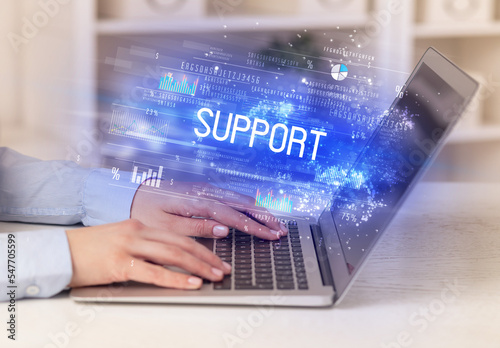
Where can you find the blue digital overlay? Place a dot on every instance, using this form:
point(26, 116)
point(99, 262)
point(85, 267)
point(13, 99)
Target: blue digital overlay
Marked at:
point(285, 113)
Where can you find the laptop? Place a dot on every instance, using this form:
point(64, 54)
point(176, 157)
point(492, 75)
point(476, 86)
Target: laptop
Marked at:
point(318, 261)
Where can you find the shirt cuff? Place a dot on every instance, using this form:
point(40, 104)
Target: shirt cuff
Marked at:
point(43, 263)
point(106, 200)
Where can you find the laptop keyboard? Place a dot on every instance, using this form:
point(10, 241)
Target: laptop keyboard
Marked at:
point(262, 264)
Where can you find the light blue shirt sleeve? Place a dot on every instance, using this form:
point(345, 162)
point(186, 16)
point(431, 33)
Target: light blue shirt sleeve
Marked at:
point(53, 192)
point(60, 192)
point(38, 263)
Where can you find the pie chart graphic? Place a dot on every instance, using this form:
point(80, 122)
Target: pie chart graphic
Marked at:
point(339, 72)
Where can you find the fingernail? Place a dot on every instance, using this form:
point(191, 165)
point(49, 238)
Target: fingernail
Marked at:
point(227, 266)
point(220, 231)
point(284, 228)
point(276, 233)
point(195, 281)
point(217, 272)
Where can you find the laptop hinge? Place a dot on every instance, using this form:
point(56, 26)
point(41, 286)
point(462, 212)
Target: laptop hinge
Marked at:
point(324, 265)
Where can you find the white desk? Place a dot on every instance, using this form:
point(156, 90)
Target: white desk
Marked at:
point(445, 233)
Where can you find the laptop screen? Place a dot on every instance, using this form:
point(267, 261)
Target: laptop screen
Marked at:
point(392, 159)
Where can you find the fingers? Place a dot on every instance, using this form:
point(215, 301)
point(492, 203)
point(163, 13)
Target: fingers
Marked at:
point(120, 251)
point(217, 218)
point(187, 253)
point(233, 218)
point(246, 204)
point(220, 208)
point(172, 255)
point(153, 274)
point(197, 227)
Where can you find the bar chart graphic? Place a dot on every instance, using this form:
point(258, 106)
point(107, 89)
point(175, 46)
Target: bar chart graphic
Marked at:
point(135, 126)
point(269, 202)
point(168, 83)
point(147, 176)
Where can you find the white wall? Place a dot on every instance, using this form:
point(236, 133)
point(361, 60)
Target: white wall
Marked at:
point(9, 67)
point(53, 65)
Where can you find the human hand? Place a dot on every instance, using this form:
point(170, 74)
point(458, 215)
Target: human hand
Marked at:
point(216, 210)
point(129, 250)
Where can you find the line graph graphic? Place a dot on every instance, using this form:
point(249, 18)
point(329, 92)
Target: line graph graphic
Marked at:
point(168, 83)
point(269, 202)
point(142, 127)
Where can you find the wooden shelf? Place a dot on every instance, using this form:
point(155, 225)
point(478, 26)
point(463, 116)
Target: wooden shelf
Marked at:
point(479, 135)
point(440, 30)
point(158, 26)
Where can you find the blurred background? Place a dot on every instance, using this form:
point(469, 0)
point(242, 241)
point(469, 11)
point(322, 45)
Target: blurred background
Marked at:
point(50, 51)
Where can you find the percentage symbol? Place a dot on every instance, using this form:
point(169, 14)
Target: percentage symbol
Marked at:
point(399, 91)
point(116, 174)
point(310, 64)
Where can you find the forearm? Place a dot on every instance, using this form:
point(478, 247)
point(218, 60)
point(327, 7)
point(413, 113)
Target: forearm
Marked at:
point(59, 192)
point(40, 191)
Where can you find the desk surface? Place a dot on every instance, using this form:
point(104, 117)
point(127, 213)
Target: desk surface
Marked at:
point(433, 281)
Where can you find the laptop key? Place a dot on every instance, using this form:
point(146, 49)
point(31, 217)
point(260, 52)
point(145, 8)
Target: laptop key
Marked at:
point(243, 263)
point(282, 257)
point(225, 284)
point(284, 277)
point(262, 265)
point(282, 252)
point(255, 287)
point(243, 281)
point(243, 252)
point(242, 260)
point(284, 274)
point(300, 274)
point(262, 256)
point(263, 275)
point(242, 276)
point(283, 262)
point(281, 268)
point(264, 281)
point(243, 271)
point(285, 286)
